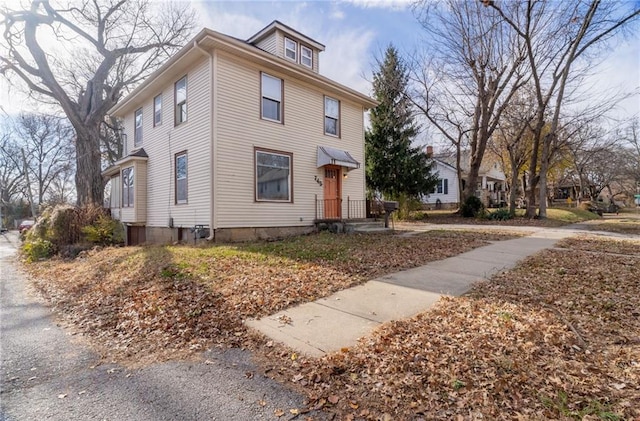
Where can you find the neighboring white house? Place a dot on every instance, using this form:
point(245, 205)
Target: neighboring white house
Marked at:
point(445, 195)
point(242, 138)
point(491, 188)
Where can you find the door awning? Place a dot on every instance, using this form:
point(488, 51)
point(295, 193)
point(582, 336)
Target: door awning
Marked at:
point(333, 156)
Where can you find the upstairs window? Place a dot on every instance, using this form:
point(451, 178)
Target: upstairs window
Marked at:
point(291, 49)
point(157, 110)
point(181, 101)
point(306, 56)
point(271, 98)
point(181, 177)
point(331, 116)
point(137, 131)
point(127, 187)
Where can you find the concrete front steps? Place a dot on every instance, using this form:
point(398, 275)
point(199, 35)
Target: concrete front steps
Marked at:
point(348, 226)
point(370, 225)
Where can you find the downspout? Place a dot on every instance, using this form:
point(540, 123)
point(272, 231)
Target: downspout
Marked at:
point(213, 142)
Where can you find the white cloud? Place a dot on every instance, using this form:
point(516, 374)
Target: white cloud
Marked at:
point(346, 58)
point(336, 13)
point(381, 4)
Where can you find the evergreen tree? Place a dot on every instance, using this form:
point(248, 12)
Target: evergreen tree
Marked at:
point(394, 168)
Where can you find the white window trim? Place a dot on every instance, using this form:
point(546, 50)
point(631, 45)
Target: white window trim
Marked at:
point(186, 178)
point(295, 49)
point(131, 188)
point(155, 111)
point(177, 104)
point(280, 101)
point(137, 130)
point(337, 134)
point(302, 49)
point(289, 180)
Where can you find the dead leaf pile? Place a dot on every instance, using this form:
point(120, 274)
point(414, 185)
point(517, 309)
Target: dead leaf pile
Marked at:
point(558, 337)
point(150, 303)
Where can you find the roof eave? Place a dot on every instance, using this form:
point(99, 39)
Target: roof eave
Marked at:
point(249, 50)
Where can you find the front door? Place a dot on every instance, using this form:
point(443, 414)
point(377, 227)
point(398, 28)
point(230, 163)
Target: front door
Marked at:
point(332, 193)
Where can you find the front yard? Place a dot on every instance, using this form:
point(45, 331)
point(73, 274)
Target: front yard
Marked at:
point(557, 338)
point(554, 338)
point(141, 304)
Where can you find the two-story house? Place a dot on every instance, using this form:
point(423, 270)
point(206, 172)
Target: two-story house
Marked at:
point(243, 138)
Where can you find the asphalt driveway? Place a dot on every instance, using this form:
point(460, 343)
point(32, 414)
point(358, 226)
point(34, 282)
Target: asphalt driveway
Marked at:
point(46, 372)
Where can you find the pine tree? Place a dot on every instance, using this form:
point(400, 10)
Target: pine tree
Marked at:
point(394, 167)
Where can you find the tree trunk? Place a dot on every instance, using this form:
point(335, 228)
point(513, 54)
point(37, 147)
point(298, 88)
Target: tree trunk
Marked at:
point(513, 191)
point(89, 182)
point(544, 167)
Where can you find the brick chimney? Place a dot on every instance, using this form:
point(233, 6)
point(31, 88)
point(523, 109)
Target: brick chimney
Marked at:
point(430, 150)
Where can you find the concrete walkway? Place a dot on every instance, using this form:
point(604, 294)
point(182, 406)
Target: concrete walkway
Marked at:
point(337, 321)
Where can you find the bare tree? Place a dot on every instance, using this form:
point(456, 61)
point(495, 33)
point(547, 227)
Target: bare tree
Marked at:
point(559, 38)
point(512, 141)
point(12, 180)
point(101, 50)
point(480, 60)
point(48, 144)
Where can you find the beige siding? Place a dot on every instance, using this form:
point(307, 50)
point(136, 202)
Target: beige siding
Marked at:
point(268, 44)
point(279, 38)
point(162, 143)
point(140, 191)
point(115, 198)
point(316, 60)
point(240, 130)
point(138, 212)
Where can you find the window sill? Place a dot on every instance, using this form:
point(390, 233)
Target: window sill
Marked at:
point(271, 120)
point(272, 201)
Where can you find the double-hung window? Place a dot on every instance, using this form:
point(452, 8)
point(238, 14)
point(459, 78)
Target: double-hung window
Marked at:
point(442, 187)
point(127, 187)
point(181, 101)
point(157, 110)
point(137, 130)
point(181, 177)
point(331, 116)
point(271, 98)
point(306, 56)
point(273, 176)
point(291, 49)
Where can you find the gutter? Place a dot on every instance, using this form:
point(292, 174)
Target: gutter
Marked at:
point(214, 167)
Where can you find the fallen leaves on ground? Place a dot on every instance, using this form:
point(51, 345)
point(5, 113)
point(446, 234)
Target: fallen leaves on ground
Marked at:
point(158, 302)
point(622, 224)
point(558, 337)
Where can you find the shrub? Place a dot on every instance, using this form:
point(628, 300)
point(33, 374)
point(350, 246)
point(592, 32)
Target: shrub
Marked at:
point(406, 206)
point(501, 214)
point(37, 249)
point(472, 207)
point(105, 231)
point(62, 226)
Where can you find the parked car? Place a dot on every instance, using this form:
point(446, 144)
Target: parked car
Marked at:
point(25, 225)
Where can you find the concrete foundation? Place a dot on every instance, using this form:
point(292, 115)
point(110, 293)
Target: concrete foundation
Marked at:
point(166, 235)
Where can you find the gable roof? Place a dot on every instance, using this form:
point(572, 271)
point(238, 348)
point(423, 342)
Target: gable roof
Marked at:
point(276, 24)
point(207, 39)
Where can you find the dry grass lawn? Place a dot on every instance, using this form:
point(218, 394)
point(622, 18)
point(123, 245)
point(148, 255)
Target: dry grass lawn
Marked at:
point(142, 304)
point(556, 338)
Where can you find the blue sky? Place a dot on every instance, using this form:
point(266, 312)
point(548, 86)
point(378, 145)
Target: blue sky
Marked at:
point(356, 31)
point(352, 31)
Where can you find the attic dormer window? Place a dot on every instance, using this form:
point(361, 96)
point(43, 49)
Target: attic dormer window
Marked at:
point(291, 49)
point(306, 56)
